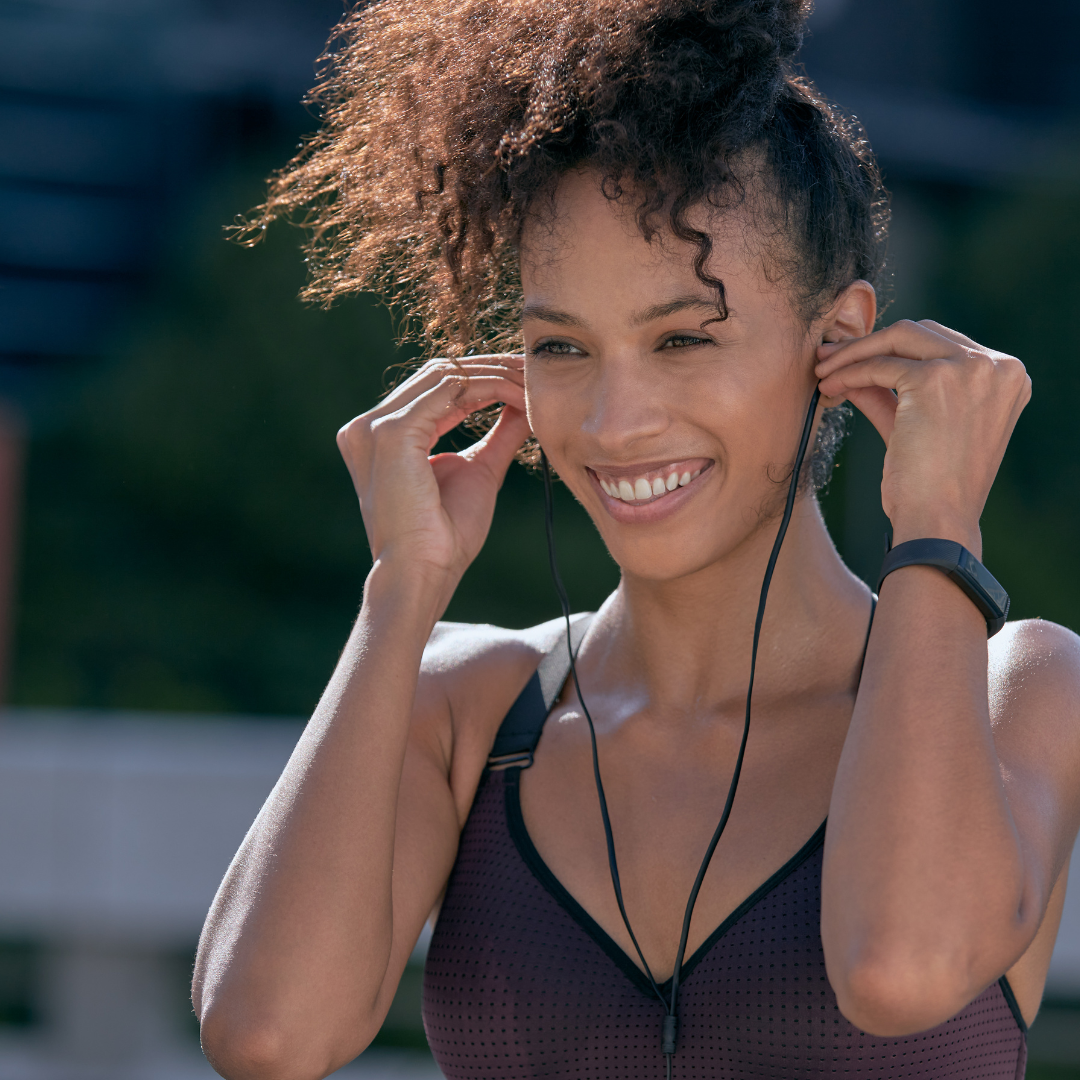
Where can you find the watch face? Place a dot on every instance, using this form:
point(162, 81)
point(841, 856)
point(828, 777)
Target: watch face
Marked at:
point(996, 597)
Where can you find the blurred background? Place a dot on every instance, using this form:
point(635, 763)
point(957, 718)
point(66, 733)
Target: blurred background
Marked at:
point(180, 550)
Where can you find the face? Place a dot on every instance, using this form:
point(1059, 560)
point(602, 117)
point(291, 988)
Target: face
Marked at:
point(670, 426)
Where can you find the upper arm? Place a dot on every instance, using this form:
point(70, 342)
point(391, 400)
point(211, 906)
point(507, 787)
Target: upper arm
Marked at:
point(469, 677)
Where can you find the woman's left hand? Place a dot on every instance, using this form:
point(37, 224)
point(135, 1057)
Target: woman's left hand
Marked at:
point(946, 428)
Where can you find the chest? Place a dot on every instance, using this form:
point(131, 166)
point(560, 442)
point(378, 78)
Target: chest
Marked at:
point(665, 792)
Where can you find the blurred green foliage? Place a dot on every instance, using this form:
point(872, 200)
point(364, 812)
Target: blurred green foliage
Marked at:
point(20, 968)
point(1013, 276)
point(191, 537)
point(1038, 1071)
point(192, 541)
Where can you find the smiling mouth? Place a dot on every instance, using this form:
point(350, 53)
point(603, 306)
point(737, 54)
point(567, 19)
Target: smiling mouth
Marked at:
point(651, 484)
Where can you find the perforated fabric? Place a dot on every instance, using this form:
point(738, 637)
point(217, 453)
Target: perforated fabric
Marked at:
point(520, 982)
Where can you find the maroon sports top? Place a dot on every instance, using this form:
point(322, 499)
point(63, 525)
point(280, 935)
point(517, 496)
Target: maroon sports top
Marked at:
point(522, 983)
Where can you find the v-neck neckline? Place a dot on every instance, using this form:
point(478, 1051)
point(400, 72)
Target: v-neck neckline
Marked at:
point(542, 872)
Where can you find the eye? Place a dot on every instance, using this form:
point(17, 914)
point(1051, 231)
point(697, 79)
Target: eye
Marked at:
point(684, 341)
point(555, 348)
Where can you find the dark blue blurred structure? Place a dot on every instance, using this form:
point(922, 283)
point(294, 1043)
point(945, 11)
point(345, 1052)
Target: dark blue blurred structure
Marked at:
point(110, 111)
point(968, 91)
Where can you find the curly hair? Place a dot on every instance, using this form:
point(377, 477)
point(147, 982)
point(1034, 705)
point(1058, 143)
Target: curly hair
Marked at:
point(444, 126)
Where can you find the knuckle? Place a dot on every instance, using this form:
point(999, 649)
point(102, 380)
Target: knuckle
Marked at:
point(448, 374)
point(970, 364)
point(1016, 376)
point(351, 433)
point(938, 370)
point(446, 368)
point(1013, 367)
point(384, 427)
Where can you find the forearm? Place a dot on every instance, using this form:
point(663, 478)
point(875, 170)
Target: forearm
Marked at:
point(924, 890)
point(300, 934)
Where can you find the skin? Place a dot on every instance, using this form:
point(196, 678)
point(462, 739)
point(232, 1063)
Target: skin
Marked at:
point(950, 773)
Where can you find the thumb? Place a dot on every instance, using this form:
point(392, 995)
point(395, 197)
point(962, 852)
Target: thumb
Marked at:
point(496, 449)
point(878, 405)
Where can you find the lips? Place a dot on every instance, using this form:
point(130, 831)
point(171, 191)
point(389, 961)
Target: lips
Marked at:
point(647, 484)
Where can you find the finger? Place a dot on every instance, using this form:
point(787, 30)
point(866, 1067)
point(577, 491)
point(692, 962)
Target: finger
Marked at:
point(444, 406)
point(878, 405)
point(951, 335)
point(447, 374)
point(515, 361)
point(497, 448)
point(476, 365)
point(904, 339)
point(435, 371)
point(883, 371)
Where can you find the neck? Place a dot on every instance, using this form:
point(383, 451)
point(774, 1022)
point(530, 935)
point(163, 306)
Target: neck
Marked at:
point(686, 643)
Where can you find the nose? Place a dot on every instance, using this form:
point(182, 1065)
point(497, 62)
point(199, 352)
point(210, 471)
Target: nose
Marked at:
point(626, 409)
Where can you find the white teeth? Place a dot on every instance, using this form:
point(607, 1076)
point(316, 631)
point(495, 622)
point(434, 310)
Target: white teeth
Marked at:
point(643, 489)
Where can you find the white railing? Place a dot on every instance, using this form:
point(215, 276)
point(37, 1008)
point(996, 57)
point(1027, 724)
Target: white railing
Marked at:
point(115, 830)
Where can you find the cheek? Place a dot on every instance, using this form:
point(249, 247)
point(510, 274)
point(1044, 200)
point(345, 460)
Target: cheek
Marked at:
point(531, 399)
point(552, 413)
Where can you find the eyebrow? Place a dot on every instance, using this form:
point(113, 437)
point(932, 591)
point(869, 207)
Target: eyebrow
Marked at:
point(672, 307)
point(650, 314)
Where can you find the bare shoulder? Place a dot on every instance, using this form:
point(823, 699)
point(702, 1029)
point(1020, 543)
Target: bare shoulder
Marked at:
point(1034, 670)
point(470, 675)
point(469, 662)
point(1034, 684)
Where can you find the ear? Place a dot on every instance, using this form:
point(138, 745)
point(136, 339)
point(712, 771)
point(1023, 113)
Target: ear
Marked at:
point(852, 314)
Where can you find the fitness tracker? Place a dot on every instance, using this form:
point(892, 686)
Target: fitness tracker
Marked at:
point(981, 586)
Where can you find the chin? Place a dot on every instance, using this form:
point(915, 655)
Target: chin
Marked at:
point(672, 558)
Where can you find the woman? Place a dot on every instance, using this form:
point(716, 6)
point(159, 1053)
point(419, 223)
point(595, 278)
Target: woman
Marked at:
point(687, 237)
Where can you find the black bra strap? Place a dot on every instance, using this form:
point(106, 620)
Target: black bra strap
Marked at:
point(520, 730)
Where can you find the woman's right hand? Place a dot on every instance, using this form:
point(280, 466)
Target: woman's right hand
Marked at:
point(426, 512)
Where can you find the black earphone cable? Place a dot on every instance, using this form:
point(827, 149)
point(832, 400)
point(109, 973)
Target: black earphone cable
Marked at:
point(669, 1031)
point(564, 602)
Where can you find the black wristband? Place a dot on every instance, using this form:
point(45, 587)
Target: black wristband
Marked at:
point(978, 583)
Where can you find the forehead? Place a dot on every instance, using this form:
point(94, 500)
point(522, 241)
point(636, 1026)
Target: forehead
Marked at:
point(580, 241)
